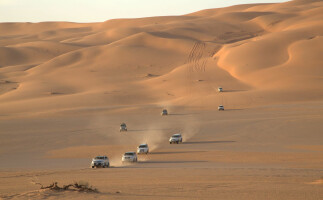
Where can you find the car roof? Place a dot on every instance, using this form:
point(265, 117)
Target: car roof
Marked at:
point(143, 144)
point(178, 134)
point(130, 152)
point(100, 156)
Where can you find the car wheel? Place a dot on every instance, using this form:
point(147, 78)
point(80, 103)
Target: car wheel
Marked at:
point(170, 142)
point(92, 166)
point(103, 166)
point(177, 142)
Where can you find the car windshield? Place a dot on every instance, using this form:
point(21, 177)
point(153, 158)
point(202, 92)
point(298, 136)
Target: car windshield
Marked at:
point(99, 157)
point(129, 154)
point(143, 146)
point(176, 136)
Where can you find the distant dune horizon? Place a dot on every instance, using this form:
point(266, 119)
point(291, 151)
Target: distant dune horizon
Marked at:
point(87, 11)
point(264, 52)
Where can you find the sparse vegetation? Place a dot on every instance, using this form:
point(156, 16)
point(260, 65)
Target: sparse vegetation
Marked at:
point(80, 186)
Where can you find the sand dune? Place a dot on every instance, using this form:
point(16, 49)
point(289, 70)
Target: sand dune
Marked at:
point(32, 52)
point(246, 41)
point(65, 88)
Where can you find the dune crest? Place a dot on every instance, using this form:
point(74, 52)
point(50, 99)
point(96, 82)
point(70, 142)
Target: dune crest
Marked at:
point(255, 50)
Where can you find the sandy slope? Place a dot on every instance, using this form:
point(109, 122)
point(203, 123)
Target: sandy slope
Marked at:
point(248, 48)
point(65, 87)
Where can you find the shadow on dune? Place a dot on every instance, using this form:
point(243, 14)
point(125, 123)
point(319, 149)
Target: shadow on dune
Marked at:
point(174, 152)
point(208, 142)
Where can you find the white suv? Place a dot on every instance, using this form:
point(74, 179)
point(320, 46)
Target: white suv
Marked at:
point(176, 138)
point(100, 161)
point(220, 107)
point(143, 148)
point(220, 89)
point(129, 157)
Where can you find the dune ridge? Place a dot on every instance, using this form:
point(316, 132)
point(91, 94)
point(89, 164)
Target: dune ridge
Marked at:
point(255, 50)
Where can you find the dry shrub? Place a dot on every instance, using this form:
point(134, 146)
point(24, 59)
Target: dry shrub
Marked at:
point(80, 186)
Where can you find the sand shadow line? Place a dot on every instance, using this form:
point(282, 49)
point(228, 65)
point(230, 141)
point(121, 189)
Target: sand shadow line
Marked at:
point(182, 114)
point(141, 130)
point(170, 162)
point(208, 142)
point(175, 152)
point(234, 90)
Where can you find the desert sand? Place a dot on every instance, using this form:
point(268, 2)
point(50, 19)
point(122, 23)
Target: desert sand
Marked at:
point(66, 87)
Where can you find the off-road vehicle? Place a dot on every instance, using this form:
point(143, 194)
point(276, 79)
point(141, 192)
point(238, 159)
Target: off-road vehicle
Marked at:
point(176, 138)
point(129, 157)
point(123, 127)
point(100, 161)
point(220, 107)
point(143, 148)
point(164, 112)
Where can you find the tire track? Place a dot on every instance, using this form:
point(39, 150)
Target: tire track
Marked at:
point(196, 63)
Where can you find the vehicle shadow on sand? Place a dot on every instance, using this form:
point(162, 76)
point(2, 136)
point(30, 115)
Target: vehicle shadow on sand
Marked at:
point(175, 152)
point(233, 109)
point(143, 130)
point(140, 164)
point(209, 142)
point(234, 90)
point(170, 162)
point(182, 114)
